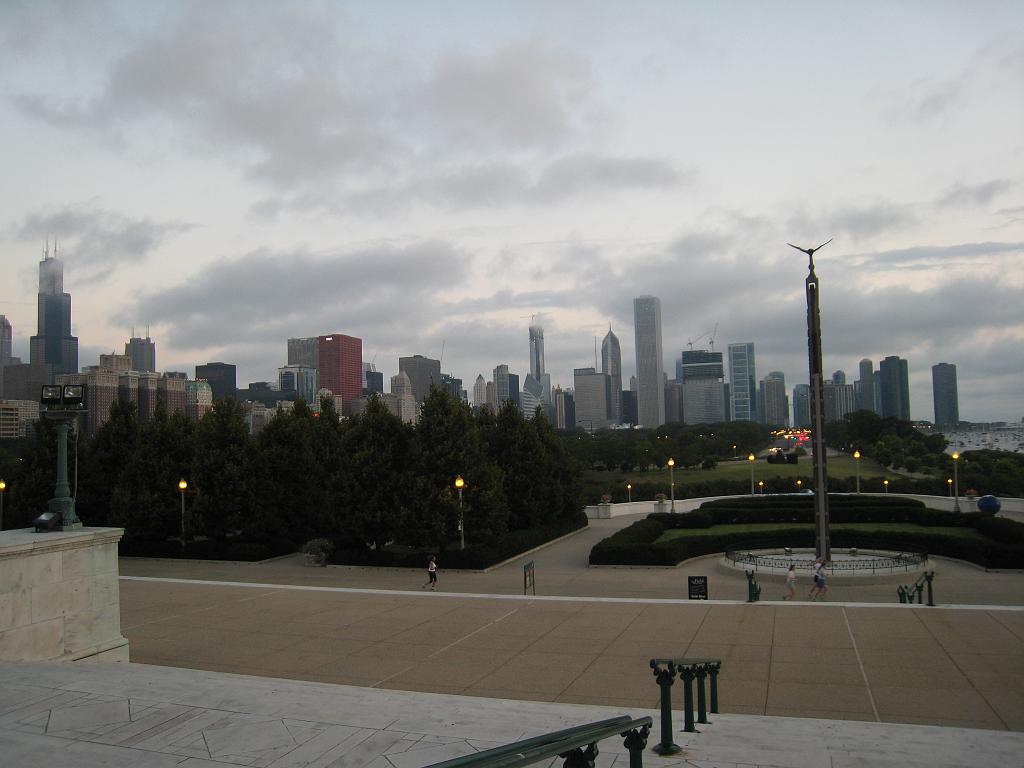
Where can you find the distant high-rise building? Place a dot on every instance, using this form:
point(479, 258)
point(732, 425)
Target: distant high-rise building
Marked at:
point(895, 388)
point(947, 403)
point(492, 396)
point(424, 373)
point(727, 399)
point(532, 396)
point(650, 363)
point(222, 378)
point(142, 353)
point(341, 368)
point(840, 399)
point(839, 377)
point(17, 417)
point(702, 375)
point(480, 391)
point(865, 386)
point(558, 398)
point(300, 380)
point(171, 392)
point(611, 364)
point(452, 386)
point(6, 342)
point(304, 351)
point(591, 393)
point(743, 381)
point(536, 351)
point(876, 380)
point(24, 381)
point(629, 414)
point(53, 344)
point(374, 382)
point(802, 406)
point(401, 390)
point(102, 390)
point(199, 399)
point(776, 403)
point(673, 401)
point(506, 386)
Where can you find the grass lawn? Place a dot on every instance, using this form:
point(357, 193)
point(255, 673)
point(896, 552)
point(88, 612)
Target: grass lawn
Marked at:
point(715, 530)
point(839, 466)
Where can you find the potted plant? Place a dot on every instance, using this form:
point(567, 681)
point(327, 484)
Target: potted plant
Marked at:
point(316, 551)
point(606, 498)
point(659, 499)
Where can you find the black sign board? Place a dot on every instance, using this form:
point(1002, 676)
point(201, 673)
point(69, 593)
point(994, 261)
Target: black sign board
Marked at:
point(528, 578)
point(698, 587)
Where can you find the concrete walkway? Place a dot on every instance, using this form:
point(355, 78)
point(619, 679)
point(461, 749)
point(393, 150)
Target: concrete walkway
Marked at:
point(87, 716)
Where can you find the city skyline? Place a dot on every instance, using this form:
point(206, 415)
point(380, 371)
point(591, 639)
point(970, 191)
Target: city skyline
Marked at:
point(493, 164)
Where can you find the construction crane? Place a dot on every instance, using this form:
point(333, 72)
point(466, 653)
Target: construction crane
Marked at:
point(711, 341)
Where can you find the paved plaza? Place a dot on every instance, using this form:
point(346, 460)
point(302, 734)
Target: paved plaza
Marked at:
point(91, 715)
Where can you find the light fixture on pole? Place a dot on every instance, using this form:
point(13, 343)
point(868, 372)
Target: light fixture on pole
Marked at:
point(751, 458)
point(734, 450)
point(885, 483)
point(629, 492)
point(956, 482)
point(760, 487)
point(3, 487)
point(459, 485)
point(672, 483)
point(856, 460)
point(182, 485)
point(798, 484)
point(949, 487)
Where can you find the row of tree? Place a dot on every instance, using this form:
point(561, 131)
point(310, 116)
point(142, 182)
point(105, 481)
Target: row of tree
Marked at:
point(363, 481)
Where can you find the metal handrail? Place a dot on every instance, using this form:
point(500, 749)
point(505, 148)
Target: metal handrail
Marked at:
point(556, 744)
point(902, 560)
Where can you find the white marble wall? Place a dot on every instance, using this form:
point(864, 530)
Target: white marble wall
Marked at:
point(59, 595)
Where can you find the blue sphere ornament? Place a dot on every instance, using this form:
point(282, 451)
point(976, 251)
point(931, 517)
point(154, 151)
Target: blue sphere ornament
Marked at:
point(989, 505)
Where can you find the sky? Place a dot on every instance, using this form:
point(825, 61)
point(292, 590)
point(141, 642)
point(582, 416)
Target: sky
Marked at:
point(428, 176)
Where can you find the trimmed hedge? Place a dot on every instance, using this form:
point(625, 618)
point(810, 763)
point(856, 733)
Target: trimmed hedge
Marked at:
point(474, 557)
point(204, 549)
point(1001, 544)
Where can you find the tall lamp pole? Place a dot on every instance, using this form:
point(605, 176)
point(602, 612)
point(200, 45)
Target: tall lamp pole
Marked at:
point(672, 483)
point(751, 458)
point(182, 485)
point(856, 460)
point(459, 485)
point(956, 482)
point(885, 484)
point(822, 543)
point(3, 487)
point(629, 492)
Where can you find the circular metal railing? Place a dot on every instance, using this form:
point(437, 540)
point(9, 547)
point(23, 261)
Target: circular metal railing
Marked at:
point(844, 561)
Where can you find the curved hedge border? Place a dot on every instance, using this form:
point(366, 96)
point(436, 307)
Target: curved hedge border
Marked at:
point(1003, 546)
point(474, 557)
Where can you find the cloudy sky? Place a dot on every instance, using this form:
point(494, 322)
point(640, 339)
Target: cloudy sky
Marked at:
point(431, 174)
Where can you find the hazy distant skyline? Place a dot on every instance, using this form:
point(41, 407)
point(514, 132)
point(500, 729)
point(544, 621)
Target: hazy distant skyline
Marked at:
point(419, 174)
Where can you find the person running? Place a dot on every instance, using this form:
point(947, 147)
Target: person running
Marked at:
point(822, 586)
point(431, 574)
point(790, 583)
point(816, 588)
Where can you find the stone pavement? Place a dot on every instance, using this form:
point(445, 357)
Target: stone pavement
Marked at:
point(85, 715)
point(908, 664)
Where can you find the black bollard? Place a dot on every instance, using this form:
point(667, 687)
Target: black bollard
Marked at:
point(702, 707)
point(686, 675)
point(635, 741)
point(665, 677)
point(713, 674)
point(929, 575)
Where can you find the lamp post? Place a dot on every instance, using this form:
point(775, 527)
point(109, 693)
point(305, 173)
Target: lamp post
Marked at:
point(459, 485)
point(956, 482)
point(856, 461)
point(672, 482)
point(885, 483)
point(798, 484)
point(182, 485)
point(751, 459)
point(629, 492)
point(734, 450)
point(760, 487)
point(949, 486)
point(3, 487)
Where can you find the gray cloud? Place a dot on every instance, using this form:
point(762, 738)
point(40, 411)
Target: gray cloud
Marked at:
point(961, 194)
point(99, 239)
point(857, 221)
point(923, 256)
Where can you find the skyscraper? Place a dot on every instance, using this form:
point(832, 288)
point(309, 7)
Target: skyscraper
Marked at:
point(743, 378)
point(480, 391)
point(341, 368)
point(947, 404)
point(221, 377)
point(423, 372)
point(895, 388)
point(536, 351)
point(53, 344)
point(611, 364)
point(840, 399)
point(142, 353)
point(776, 405)
point(650, 364)
point(839, 377)
point(802, 406)
point(702, 373)
point(304, 351)
point(532, 396)
point(865, 386)
point(591, 394)
point(6, 341)
point(299, 379)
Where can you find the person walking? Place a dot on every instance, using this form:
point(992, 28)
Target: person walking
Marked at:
point(816, 587)
point(431, 574)
point(790, 583)
point(822, 586)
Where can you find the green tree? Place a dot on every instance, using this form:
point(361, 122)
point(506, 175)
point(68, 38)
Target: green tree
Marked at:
point(102, 461)
point(31, 487)
point(221, 471)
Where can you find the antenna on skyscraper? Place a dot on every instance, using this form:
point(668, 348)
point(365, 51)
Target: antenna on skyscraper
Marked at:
point(441, 360)
point(595, 353)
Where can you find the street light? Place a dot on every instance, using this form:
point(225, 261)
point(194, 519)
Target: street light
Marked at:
point(459, 485)
point(734, 450)
point(751, 459)
point(949, 486)
point(672, 481)
point(856, 459)
point(3, 487)
point(629, 492)
point(798, 484)
point(182, 485)
point(956, 482)
point(760, 487)
point(886, 484)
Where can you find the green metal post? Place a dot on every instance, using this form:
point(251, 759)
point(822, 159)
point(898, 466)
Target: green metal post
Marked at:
point(928, 576)
point(702, 705)
point(686, 675)
point(713, 674)
point(62, 503)
point(635, 741)
point(752, 590)
point(665, 677)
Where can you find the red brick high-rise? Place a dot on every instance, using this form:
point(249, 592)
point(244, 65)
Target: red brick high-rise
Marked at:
point(341, 368)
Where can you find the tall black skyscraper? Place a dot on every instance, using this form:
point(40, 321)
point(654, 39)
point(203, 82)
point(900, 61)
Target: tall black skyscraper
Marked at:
point(895, 390)
point(947, 404)
point(142, 352)
point(53, 344)
point(221, 378)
